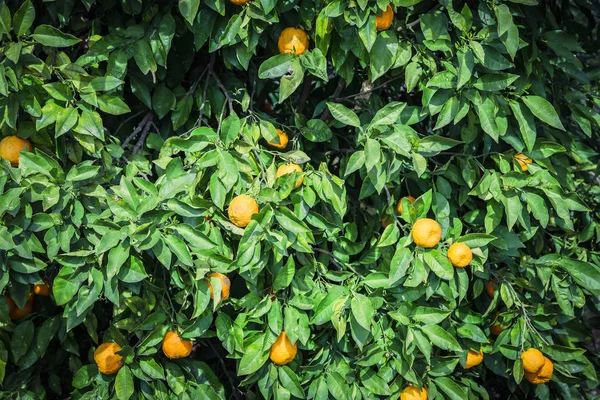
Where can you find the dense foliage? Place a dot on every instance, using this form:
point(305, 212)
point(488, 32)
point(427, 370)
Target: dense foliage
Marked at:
point(147, 117)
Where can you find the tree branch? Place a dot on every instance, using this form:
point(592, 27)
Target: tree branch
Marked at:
point(144, 125)
point(234, 388)
point(305, 93)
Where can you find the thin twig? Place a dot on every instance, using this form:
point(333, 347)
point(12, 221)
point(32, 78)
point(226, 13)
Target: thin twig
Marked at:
point(137, 114)
point(140, 127)
point(173, 319)
point(418, 20)
point(389, 199)
point(234, 388)
point(209, 68)
point(371, 90)
point(305, 93)
point(335, 151)
point(143, 136)
point(224, 90)
point(334, 260)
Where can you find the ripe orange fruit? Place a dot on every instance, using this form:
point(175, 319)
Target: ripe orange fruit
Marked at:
point(523, 160)
point(384, 21)
point(11, 146)
point(460, 255)
point(473, 358)
point(410, 198)
point(42, 289)
point(490, 289)
point(385, 222)
point(241, 210)
point(283, 351)
point(15, 312)
point(283, 140)
point(543, 375)
point(225, 285)
point(426, 233)
point(413, 393)
point(107, 359)
point(239, 2)
point(292, 40)
point(175, 347)
point(496, 329)
point(288, 169)
point(533, 360)
point(267, 107)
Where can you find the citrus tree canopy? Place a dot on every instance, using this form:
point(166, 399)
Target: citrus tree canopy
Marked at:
point(311, 199)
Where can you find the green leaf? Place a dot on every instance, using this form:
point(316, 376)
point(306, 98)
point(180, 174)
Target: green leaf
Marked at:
point(290, 381)
point(429, 315)
point(285, 275)
point(141, 91)
point(507, 30)
point(419, 164)
point(368, 32)
point(412, 75)
point(84, 376)
point(276, 66)
point(441, 338)
point(372, 153)
point(135, 273)
point(542, 109)
point(189, 9)
point(586, 275)
point(317, 131)
point(175, 378)
point(5, 20)
point(439, 264)
point(112, 105)
point(50, 36)
point(343, 114)
point(290, 82)
point(64, 286)
point(451, 388)
point(163, 100)
point(363, 311)
point(22, 338)
point(24, 18)
point(105, 83)
point(255, 355)
point(90, 123)
point(65, 120)
point(489, 57)
point(472, 332)
point(182, 111)
point(431, 145)
point(526, 123)
point(387, 115)
point(179, 249)
point(399, 264)
point(487, 118)
point(231, 30)
point(447, 113)
point(390, 235)
point(124, 383)
point(466, 63)
point(476, 239)
point(355, 162)
point(153, 369)
point(495, 82)
point(143, 56)
point(383, 54)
